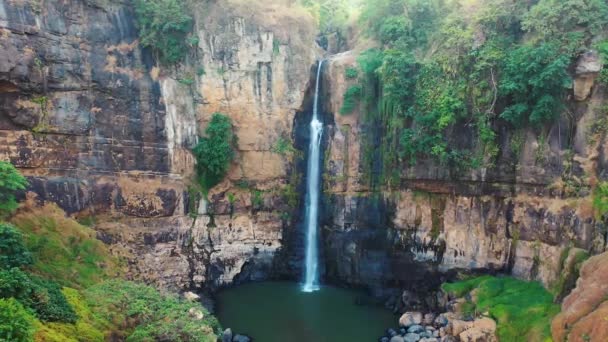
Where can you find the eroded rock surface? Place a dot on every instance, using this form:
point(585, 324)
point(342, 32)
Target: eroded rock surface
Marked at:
point(98, 127)
point(584, 310)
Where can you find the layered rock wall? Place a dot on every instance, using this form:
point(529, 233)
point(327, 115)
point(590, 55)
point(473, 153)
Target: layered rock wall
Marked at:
point(521, 217)
point(98, 127)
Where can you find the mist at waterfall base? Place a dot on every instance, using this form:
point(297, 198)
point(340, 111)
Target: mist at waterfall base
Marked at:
point(282, 312)
point(307, 312)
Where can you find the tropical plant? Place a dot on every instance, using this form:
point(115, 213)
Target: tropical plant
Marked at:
point(215, 151)
point(11, 181)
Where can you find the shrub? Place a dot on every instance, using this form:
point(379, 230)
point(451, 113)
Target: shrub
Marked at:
point(11, 181)
point(352, 97)
point(351, 73)
point(147, 315)
point(16, 323)
point(600, 200)
point(63, 250)
point(13, 252)
point(44, 297)
point(535, 79)
point(215, 151)
point(163, 26)
point(523, 310)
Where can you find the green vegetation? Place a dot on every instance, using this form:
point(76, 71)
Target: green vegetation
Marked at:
point(522, 310)
point(163, 27)
point(13, 252)
point(148, 315)
point(15, 321)
point(11, 181)
point(44, 297)
point(284, 147)
point(351, 73)
point(600, 200)
point(351, 99)
point(63, 250)
point(44, 250)
point(215, 151)
point(448, 68)
point(331, 15)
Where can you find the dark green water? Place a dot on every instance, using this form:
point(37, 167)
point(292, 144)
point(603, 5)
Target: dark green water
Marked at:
point(280, 312)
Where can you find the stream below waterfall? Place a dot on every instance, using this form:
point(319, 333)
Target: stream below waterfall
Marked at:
point(282, 312)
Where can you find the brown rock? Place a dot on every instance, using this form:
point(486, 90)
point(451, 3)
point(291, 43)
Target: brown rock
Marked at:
point(584, 310)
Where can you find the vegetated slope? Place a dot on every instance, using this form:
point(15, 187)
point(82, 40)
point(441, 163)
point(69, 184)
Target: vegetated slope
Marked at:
point(67, 287)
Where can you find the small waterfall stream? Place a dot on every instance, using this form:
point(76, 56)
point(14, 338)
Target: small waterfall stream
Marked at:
point(311, 278)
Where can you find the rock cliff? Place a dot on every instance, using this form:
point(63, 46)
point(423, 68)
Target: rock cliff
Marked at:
point(98, 127)
point(521, 217)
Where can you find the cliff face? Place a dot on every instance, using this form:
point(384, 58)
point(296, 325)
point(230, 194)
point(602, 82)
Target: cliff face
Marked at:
point(100, 129)
point(520, 216)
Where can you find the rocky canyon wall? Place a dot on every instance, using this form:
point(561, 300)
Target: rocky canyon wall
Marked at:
point(523, 216)
point(99, 128)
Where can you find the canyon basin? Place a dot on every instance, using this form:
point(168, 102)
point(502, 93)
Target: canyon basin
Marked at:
point(280, 311)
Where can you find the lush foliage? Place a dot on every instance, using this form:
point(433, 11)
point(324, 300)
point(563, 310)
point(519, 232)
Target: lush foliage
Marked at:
point(13, 252)
point(11, 181)
point(215, 151)
point(450, 69)
point(16, 323)
point(351, 99)
point(149, 315)
point(600, 200)
point(64, 250)
point(163, 26)
point(44, 297)
point(523, 310)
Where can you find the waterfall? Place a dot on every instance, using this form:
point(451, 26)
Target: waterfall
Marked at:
point(311, 280)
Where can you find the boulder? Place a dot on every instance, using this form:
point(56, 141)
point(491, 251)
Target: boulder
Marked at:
point(191, 296)
point(397, 338)
point(241, 338)
point(484, 329)
point(428, 319)
point(416, 329)
point(587, 68)
point(441, 321)
point(411, 337)
point(196, 314)
point(227, 335)
point(584, 310)
point(410, 318)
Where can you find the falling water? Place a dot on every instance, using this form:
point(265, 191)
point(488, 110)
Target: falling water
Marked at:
point(311, 281)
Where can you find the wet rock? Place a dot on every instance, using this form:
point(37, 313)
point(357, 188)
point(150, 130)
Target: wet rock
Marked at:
point(384, 339)
point(416, 328)
point(429, 339)
point(411, 337)
point(410, 318)
point(441, 321)
point(391, 332)
point(241, 338)
point(428, 319)
point(227, 335)
point(397, 338)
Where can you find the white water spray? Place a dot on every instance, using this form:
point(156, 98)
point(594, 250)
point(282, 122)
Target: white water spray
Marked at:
point(311, 280)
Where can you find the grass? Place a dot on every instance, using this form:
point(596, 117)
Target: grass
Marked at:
point(64, 250)
point(523, 310)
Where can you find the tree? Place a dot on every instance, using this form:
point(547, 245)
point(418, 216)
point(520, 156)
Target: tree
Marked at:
point(11, 181)
point(163, 26)
point(13, 252)
point(15, 321)
point(215, 151)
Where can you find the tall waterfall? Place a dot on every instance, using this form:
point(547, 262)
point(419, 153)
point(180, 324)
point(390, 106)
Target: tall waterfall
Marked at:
point(311, 280)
